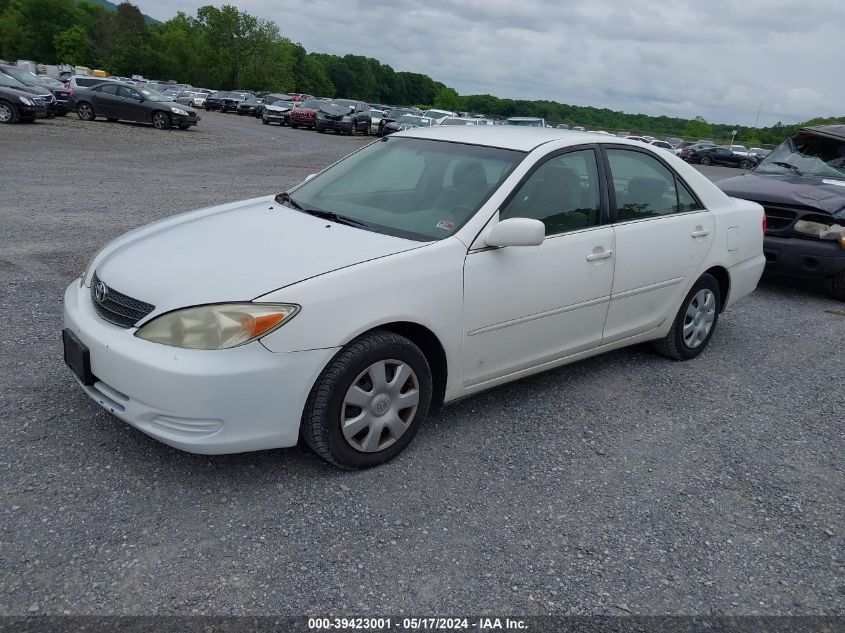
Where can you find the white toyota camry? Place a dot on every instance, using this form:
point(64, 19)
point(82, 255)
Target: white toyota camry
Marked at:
point(426, 266)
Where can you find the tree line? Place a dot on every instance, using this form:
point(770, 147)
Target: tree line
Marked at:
point(225, 48)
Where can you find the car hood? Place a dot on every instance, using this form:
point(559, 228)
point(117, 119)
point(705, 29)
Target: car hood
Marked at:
point(335, 110)
point(817, 192)
point(273, 108)
point(235, 252)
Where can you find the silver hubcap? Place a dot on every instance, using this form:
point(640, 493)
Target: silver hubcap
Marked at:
point(698, 320)
point(5, 113)
point(380, 405)
point(85, 111)
point(159, 120)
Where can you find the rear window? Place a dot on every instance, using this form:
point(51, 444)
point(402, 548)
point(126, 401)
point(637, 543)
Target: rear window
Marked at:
point(88, 81)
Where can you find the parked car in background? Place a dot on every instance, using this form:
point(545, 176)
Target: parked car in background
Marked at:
point(18, 105)
point(562, 126)
point(688, 148)
point(527, 121)
point(277, 112)
point(801, 186)
point(343, 116)
point(663, 145)
point(375, 118)
point(759, 152)
point(120, 101)
point(393, 114)
point(84, 81)
point(739, 150)
point(251, 106)
point(263, 347)
point(271, 97)
point(640, 139)
point(232, 100)
point(193, 99)
point(437, 115)
point(61, 94)
point(305, 114)
point(720, 156)
point(31, 83)
point(41, 97)
point(214, 101)
point(407, 122)
point(454, 120)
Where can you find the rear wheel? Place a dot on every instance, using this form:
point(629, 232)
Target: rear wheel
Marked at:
point(695, 322)
point(265, 121)
point(85, 111)
point(293, 125)
point(746, 164)
point(705, 160)
point(839, 286)
point(161, 120)
point(369, 402)
point(8, 112)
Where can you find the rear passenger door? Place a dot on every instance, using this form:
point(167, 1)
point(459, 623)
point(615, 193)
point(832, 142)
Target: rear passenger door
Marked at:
point(105, 100)
point(662, 234)
point(132, 105)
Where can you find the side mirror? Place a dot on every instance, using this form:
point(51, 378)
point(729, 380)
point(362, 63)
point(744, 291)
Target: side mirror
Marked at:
point(516, 232)
point(309, 177)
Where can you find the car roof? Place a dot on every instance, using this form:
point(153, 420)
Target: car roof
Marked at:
point(523, 139)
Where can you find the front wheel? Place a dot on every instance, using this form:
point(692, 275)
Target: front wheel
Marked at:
point(705, 160)
point(695, 322)
point(161, 121)
point(8, 112)
point(85, 111)
point(746, 164)
point(369, 402)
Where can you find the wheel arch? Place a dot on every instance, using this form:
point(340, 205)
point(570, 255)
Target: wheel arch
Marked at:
point(720, 273)
point(432, 349)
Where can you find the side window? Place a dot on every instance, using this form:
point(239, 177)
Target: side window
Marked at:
point(563, 193)
point(686, 201)
point(644, 187)
point(128, 93)
point(107, 89)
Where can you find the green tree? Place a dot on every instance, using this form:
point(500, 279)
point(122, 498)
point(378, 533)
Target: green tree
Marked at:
point(71, 45)
point(447, 99)
point(698, 128)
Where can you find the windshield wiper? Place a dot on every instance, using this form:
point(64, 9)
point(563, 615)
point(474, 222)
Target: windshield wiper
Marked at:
point(788, 166)
point(284, 198)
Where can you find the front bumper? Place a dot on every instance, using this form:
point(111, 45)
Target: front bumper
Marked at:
point(27, 112)
point(190, 120)
point(798, 257)
point(332, 124)
point(208, 402)
point(274, 117)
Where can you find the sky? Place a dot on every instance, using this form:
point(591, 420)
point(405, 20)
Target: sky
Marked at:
point(719, 59)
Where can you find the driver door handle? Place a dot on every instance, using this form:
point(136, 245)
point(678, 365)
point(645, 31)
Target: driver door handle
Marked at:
point(700, 233)
point(601, 255)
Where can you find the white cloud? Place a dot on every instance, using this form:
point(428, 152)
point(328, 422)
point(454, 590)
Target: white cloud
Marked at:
point(719, 59)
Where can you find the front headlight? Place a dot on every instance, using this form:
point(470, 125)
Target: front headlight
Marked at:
point(26, 101)
point(179, 111)
point(217, 326)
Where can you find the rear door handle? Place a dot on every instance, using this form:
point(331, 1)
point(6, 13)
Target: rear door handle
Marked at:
point(700, 233)
point(601, 255)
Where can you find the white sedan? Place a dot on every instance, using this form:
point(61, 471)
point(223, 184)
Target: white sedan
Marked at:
point(427, 266)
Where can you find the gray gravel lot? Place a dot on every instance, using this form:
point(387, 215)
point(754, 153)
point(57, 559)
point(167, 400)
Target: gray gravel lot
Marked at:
point(623, 483)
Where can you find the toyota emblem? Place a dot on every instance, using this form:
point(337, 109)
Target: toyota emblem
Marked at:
point(100, 291)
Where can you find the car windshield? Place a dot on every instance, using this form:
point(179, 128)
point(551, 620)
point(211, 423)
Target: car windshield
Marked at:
point(220, 95)
point(23, 76)
point(407, 187)
point(525, 122)
point(282, 104)
point(152, 95)
point(455, 121)
point(395, 114)
point(431, 114)
point(49, 81)
point(311, 103)
point(10, 82)
point(808, 155)
point(738, 148)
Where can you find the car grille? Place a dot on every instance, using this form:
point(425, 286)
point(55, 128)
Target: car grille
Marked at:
point(781, 220)
point(43, 99)
point(117, 307)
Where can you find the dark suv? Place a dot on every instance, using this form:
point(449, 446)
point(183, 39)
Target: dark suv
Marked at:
point(801, 186)
point(344, 116)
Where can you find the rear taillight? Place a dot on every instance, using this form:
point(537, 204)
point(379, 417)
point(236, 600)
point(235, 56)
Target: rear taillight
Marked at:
point(764, 224)
point(72, 92)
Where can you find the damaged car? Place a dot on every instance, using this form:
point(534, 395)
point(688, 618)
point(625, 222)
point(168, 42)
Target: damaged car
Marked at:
point(801, 186)
point(344, 116)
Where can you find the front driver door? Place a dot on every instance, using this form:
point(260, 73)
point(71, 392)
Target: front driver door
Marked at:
point(132, 105)
point(106, 100)
point(529, 305)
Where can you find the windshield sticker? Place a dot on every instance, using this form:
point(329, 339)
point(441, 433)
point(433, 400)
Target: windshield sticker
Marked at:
point(446, 225)
point(839, 183)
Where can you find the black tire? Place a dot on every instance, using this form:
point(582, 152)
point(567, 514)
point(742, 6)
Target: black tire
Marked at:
point(705, 160)
point(673, 344)
point(321, 419)
point(746, 164)
point(839, 286)
point(265, 121)
point(294, 126)
point(85, 111)
point(8, 112)
point(161, 120)
point(352, 126)
point(321, 130)
point(111, 120)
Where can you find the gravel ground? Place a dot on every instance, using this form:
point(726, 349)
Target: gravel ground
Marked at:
point(625, 483)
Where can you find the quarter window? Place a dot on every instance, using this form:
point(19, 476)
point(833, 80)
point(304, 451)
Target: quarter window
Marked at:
point(645, 188)
point(563, 193)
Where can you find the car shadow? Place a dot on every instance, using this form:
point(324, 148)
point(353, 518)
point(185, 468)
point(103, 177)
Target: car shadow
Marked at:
point(815, 288)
